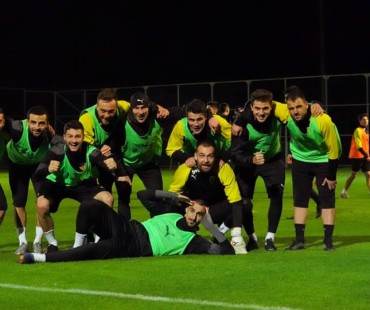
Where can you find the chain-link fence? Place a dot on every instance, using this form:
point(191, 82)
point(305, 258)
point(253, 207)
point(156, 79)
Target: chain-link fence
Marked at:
point(342, 96)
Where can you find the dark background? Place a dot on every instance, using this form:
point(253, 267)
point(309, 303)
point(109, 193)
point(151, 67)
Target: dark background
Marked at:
point(95, 44)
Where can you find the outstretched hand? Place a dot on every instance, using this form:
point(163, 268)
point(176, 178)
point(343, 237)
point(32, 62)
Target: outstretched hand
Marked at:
point(181, 200)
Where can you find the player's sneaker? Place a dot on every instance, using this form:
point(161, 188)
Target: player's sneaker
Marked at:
point(269, 245)
point(26, 258)
point(296, 245)
point(52, 248)
point(22, 249)
point(344, 195)
point(239, 245)
point(252, 245)
point(37, 248)
point(328, 246)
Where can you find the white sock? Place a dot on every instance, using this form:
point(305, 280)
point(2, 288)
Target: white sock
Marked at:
point(253, 236)
point(49, 235)
point(97, 238)
point(344, 191)
point(40, 258)
point(270, 235)
point(21, 231)
point(39, 234)
point(236, 232)
point(79, 239)
point(223, 228)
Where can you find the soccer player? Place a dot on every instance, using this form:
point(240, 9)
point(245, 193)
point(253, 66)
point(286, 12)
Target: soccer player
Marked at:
point(28, 145)
point(213, 181)
point(165, 234)
point(315, 146)
point(193, 128)
point(143, 144)
point(104, 128)
point(257, 152)
point(359, 153)
point(70, 170)
point(104, 125)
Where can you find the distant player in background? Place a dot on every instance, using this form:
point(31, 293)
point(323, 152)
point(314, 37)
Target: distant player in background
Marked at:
point(359, 153)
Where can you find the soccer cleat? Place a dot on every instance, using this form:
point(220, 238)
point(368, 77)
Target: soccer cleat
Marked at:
point(269, 245)
point(26, 258)
point(52, 248)
point(37, 248)
point(328, 246)
point(239, 245)
point(344, 195)
point(22, 249)
point(290, 217)
point(296, 245)
point(252, 245)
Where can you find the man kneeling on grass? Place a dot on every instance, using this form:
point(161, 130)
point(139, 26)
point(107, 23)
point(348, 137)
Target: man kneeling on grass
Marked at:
point(169, 233)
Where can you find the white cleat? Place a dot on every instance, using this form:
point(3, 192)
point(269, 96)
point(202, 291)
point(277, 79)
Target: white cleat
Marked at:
point(239, 245)
point(344, 195)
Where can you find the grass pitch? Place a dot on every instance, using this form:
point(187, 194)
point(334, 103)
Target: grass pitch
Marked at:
point(307, 279)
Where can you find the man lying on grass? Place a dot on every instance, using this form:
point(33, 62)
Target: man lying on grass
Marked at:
point(169, 233)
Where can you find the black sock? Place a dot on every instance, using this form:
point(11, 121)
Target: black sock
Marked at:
point(299, 232)
point(328, 233)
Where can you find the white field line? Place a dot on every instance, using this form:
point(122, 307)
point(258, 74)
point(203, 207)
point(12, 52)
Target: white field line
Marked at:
point(143, 297)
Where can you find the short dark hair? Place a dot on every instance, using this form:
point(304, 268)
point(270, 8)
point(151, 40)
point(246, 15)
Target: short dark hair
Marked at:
point(290, 89)
point(294, 93)
point(73, 124)
point(107, 94)
point(261, 95)
point(201, 202)
point(37, 110)
point(1, 110)
point(206, 143)
point(196, 106)
point(361, 116)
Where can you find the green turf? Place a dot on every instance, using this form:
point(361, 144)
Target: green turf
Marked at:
point(309, 279)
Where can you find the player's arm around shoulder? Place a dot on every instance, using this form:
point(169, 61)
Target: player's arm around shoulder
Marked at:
point(123, 105)
point(281, 111)
point(179, 179)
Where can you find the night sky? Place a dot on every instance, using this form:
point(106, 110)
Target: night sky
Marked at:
point(95, 44)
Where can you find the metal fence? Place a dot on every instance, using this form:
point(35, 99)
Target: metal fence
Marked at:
point(343, 97)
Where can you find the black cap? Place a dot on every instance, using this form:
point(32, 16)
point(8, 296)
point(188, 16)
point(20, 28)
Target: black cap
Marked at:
point(139, 99)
